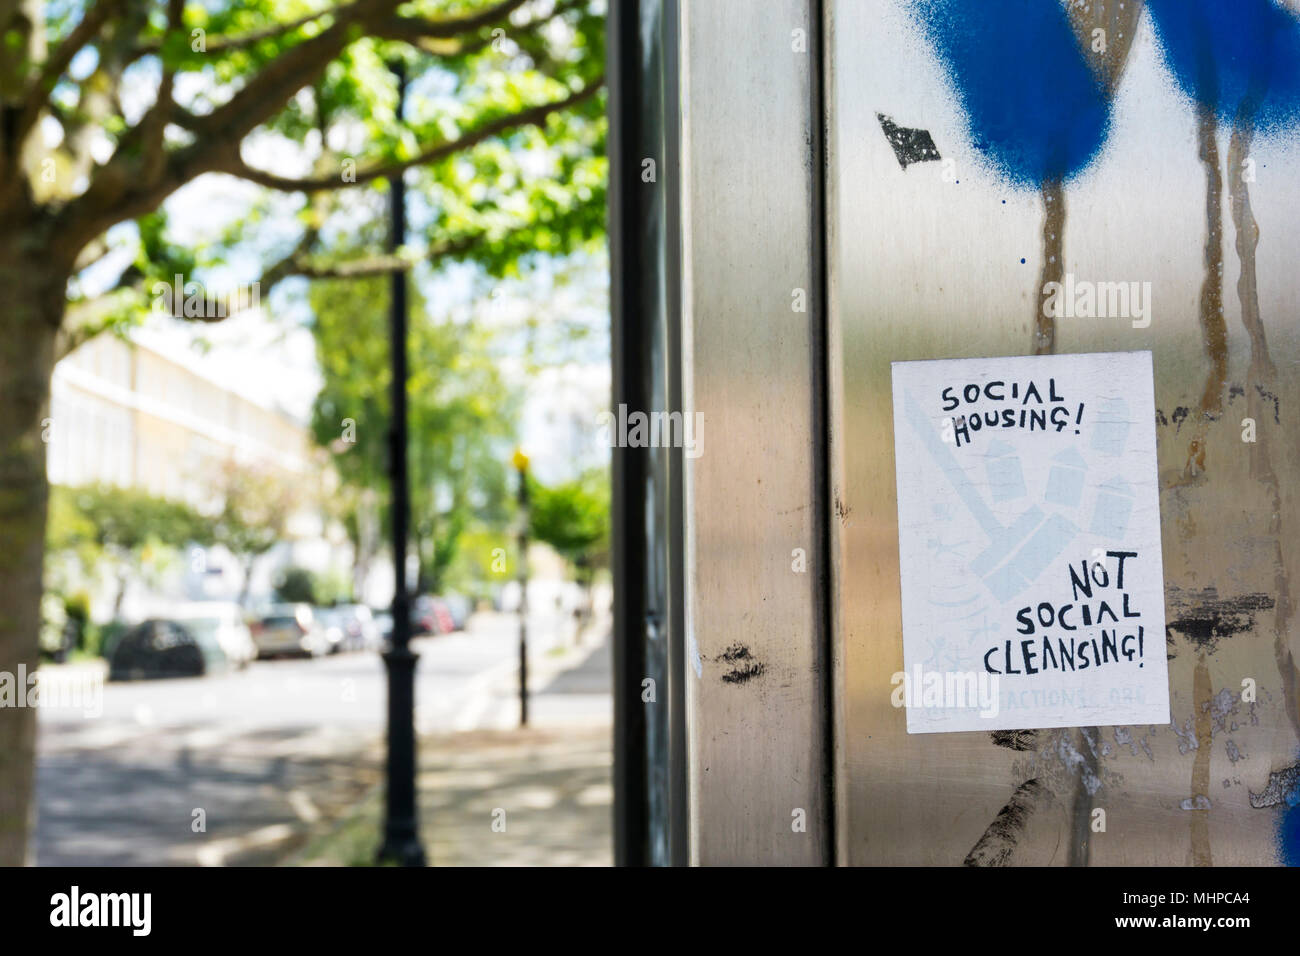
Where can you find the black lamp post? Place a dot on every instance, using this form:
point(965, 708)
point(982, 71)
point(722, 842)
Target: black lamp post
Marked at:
point(401, 821)
point(521, 464)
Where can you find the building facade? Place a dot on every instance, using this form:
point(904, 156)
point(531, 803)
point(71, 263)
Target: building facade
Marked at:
point(135, 415)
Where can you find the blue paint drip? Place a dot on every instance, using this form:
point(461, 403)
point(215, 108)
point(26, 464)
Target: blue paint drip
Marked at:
point(1223, 51)
point(1033, 106)
point(1288, 827)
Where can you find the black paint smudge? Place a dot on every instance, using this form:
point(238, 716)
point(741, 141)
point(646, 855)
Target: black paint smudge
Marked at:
point(910, 145)
point(999, 840)
point(1203, 617)
point(743, 665)
point(1014, 739)
point(1283, 787)
point(1269, 396)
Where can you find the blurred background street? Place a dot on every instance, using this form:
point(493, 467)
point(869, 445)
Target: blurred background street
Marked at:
point(277, 753)
point(327, 390)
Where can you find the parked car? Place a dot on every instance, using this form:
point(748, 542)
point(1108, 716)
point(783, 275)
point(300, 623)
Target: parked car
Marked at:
point(430, 615)
point(223, 622)
point(423, 619)
point(360, 631)
point(160, 648)
point(290, 629)
point(461, 608)
point(332, 625)
point(383, 623)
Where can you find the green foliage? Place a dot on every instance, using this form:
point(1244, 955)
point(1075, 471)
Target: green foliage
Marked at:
point(256, 503)
point(296, 585)
point(573, 518)
point(507, 110)
point(460, 414)
point(484, 560)
point(302, 585)
point(332, 587)
point(118, 531)
point(120, 521)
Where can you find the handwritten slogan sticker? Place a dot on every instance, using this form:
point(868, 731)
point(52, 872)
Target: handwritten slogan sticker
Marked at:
point(1029, 543)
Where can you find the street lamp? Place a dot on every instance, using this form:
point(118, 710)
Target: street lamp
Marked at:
point(401, 820)
point(520, 461)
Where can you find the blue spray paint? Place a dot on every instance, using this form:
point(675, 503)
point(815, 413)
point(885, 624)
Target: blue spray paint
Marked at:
point(1034, 108)
point(1288, 825)
point(1288, 836)
point(1222, 52)
point(1241, 60)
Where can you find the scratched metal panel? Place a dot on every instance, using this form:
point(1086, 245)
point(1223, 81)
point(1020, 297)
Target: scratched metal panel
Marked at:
point(756, 701)
point(945, 257)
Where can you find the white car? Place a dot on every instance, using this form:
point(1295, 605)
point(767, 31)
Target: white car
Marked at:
point(221, 621)
point(291, 629)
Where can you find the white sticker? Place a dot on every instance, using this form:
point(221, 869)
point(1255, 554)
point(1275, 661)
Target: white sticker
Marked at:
point(1029, 543)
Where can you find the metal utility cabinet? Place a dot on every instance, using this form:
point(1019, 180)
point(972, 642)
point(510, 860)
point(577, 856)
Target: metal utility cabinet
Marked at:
point(836, 185)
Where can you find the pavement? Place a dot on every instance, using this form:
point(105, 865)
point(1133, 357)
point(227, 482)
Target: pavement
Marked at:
point(538, 796)
point(258, 766)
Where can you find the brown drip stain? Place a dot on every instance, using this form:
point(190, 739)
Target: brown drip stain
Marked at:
point(1214, 328)
point(1260, 385)
point(1053, 267)
point(1200, 819)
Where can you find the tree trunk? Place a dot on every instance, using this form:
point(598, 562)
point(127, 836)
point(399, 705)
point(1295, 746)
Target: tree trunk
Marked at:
point(34, 290)
point(121, 594)
point(248, 566)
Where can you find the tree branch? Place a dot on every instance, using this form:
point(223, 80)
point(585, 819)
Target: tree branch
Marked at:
point(219, 45)
point(463, 46)
point(118, 191)
point(270, 89)
point(300, 264)
point(414, 28)
point(532, 116)
point(92, 21)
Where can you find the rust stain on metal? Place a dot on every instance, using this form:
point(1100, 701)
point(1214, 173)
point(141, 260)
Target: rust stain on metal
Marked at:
point(1119, 20)
point(1247, 229)
point(1213, 326)
point(1053, 265)
point(1261, 377)
point(1200, 820)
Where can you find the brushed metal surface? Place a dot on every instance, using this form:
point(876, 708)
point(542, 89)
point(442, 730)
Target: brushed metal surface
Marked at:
point(924, 265)
point(756, 696)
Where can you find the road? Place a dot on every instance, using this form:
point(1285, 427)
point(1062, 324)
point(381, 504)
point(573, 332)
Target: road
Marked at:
point(234, 768)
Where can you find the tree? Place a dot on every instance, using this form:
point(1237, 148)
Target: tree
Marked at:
point(573, 518)
point(296, 586)
point(256, 504)
point(461, 417)
point(117, 528)
point(141, 98)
